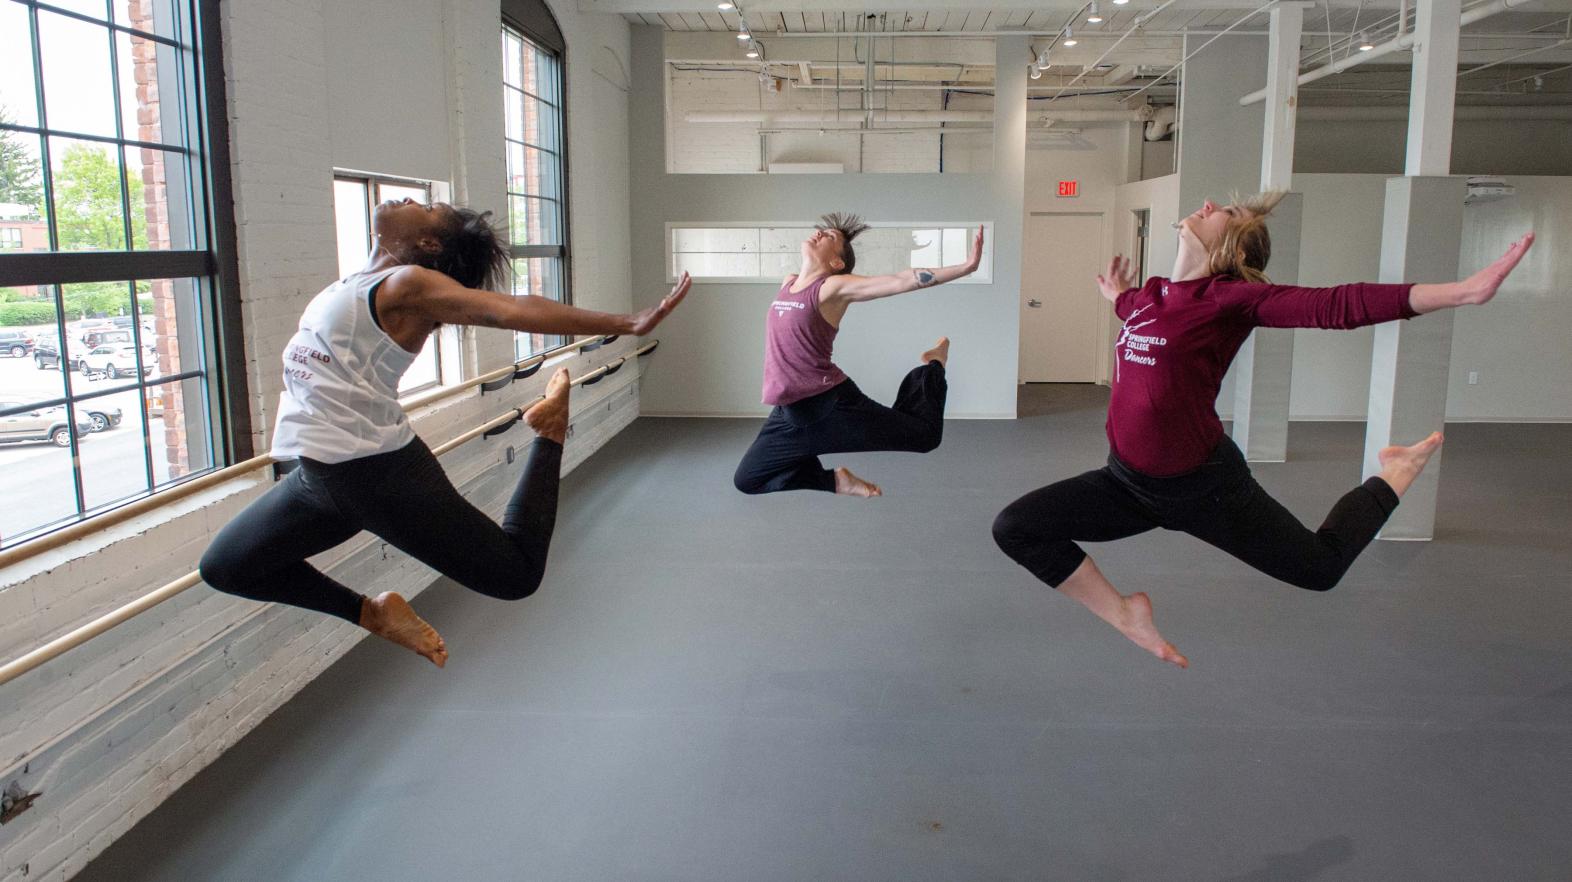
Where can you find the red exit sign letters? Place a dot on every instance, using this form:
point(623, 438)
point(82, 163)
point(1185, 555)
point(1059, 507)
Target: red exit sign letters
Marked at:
point(1069, 189)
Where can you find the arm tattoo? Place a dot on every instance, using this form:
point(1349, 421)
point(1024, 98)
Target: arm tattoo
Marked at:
point(924, 277)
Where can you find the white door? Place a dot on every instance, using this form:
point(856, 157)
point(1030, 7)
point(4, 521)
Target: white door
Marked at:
point(1060, 306)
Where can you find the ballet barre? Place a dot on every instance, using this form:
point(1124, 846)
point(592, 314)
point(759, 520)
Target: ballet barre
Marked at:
point(78, 636)
point(73, 532)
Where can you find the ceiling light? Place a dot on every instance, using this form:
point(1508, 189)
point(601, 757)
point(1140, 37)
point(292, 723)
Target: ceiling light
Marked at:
point(744, 35)
point(724, 6)
point(1042, 58)
point(1037, 72)
point(1364, 42)
point(1120, 2)
point(1069, 37)
point(1094, 16)
point(753, 50)
point(1539, 83)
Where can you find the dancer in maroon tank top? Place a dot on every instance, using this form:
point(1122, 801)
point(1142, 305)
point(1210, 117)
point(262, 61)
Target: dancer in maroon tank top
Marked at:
point(1171, 465)
point(817, 409)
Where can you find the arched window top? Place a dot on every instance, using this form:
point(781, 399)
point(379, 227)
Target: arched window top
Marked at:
point(534, 18)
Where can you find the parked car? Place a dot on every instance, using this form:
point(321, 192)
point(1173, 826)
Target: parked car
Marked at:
point(101, 416)
point(46, 354)
point(114, 360)
point(106, 336)
point(43, 424)
point(16, 344)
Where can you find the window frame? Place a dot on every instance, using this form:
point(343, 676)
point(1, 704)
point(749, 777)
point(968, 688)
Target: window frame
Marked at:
point(444, 345)
point(984, 276)
point(534, 22)
point(213, 269)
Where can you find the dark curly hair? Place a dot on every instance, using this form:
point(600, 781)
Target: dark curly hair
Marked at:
point(850, 226)
point(473, 252)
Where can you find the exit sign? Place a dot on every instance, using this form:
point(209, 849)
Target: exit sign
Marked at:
point(1069, 189)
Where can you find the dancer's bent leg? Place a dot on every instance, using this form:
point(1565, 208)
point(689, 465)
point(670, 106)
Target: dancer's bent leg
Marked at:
point(781, 458)
point(1038, 532)
point(261, 554)
point(424, 515)
point(1252, 526)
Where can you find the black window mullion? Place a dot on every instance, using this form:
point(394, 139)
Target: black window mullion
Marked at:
point(104, 22)
point(88, 136)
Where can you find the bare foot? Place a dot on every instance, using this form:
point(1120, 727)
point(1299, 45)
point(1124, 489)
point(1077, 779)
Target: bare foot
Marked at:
point(940, 352)
point(1135, 622)
point(848, 484)
point(549, 416)
point(1401, 465)
point(390, 616)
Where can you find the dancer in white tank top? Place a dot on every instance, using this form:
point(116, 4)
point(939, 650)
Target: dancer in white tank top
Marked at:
point(362, 466)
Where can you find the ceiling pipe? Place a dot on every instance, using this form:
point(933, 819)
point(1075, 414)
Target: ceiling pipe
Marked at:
point(1401, 44)
point(1473, 112)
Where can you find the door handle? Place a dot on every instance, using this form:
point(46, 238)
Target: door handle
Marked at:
point(1034, 304)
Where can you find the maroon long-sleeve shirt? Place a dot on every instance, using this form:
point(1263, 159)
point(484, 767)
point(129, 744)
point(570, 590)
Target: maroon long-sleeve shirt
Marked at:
point(1178, 340)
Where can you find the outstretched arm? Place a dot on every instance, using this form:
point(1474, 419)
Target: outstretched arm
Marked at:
point(854, 289)
point(1353, 306)
point(1476, 289)
point(438, 298)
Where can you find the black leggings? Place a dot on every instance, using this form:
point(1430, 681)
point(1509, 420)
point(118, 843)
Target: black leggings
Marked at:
point(402, 496)
point(1219, 503)
point(785, 456)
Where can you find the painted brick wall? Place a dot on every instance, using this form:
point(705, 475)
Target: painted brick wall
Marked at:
point(109, 730)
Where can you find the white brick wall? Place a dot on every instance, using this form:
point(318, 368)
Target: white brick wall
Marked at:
point(109, 730)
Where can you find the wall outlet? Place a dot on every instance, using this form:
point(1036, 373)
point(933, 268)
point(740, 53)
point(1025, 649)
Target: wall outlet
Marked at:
point(510, 454)
point(1473, 378)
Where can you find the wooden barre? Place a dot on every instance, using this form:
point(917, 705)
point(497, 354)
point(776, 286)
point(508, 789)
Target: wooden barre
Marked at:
point(78, 636)
point(73, 532)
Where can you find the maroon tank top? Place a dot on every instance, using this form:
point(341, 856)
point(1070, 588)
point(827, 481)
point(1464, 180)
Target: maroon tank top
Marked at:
point(798, 342)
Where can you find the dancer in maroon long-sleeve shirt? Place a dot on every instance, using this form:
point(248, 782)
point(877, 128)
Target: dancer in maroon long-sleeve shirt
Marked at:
point(1171, 465)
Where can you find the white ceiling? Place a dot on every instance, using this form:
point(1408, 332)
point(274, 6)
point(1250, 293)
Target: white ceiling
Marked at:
point(1518, 45)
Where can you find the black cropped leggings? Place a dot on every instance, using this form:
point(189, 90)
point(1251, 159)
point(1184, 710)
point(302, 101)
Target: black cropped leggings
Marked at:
point(402, 496)
point(1219, 503)
point(785, 455)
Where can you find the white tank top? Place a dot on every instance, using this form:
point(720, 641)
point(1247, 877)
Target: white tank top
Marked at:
point(341, 374)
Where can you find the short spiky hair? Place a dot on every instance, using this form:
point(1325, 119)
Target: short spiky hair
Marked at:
point(850, 226)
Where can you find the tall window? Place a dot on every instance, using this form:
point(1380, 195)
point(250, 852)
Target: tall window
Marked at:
point(116, 185)
point(354, 199)
point(537, 215)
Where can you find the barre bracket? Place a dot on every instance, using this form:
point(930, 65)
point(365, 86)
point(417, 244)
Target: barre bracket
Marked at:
point(518, 418)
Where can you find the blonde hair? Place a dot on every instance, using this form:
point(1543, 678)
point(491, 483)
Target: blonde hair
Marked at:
point(1246, 246)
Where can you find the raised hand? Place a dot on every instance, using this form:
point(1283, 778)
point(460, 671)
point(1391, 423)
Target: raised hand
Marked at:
point(1118, 278)
point(1482, 286)
point(645, 321)
point(1476, 289)
point(977, 251)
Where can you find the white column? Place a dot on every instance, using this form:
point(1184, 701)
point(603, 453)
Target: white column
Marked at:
point(1263, 368)
point(1012, 54)
point(1421, 242)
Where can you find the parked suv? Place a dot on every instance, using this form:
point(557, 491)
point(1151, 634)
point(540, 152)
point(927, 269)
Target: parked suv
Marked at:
point(16, 344)
point(114, 360)
point(46, 354)
point(43, 424)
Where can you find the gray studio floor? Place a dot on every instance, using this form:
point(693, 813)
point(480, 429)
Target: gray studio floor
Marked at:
point(718, 687)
